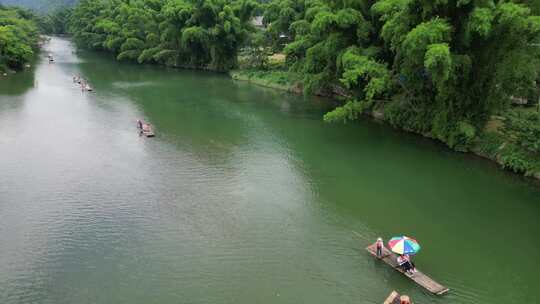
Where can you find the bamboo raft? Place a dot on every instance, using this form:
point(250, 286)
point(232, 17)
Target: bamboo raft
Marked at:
point(148, 133)
point(147, 130)
point(418, 277)
point(393, 298)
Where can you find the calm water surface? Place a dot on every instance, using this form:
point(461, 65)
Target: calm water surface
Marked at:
point(244, 196)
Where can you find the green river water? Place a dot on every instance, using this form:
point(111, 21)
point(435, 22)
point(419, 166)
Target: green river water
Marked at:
point(244, 196)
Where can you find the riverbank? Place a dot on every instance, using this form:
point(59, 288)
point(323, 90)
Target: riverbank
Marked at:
point(501, 140)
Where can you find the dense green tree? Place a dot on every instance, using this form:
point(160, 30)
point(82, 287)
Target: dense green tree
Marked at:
point(456, 62)
point(436, 67)
point(55, 22)
point(18, 37)
point(172, 32)
point(330, 29)
point(279, 15)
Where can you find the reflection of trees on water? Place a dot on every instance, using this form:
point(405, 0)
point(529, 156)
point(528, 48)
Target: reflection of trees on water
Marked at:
point(18, 83)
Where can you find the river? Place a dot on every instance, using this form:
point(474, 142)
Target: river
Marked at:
point(244, 196)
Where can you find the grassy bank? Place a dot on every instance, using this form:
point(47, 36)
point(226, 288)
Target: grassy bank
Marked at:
point(510, 139)
point(275, 79)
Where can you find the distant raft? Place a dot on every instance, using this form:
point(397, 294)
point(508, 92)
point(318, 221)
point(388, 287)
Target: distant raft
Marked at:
point(145, 129)
point(85, 86)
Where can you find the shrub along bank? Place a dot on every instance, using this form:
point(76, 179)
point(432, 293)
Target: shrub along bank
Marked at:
point(514, 142)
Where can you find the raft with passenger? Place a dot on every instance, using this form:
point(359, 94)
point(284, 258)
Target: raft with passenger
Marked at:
point(418, 277)
point(85, 87)
point(145, 129)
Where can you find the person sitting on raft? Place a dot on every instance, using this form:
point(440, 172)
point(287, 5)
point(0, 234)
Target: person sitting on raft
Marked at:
point(379, 245)
point(404, 261)
point(404, 300)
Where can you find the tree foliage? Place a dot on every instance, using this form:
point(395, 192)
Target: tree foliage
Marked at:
point(436, 67)
point(173, 32)
point(524, 129)
point(18, 37)
point(55, 22)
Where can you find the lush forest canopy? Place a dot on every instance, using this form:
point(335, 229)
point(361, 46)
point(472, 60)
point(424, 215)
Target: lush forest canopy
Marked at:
point(436, 67)
point(171, 32)
point(18, 37)
point(55, 22)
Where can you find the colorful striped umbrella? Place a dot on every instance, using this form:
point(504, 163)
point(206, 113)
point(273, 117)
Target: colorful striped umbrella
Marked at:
point(403, 245)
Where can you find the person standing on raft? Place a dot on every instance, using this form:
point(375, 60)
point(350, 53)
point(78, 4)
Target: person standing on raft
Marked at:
point(379, 245)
